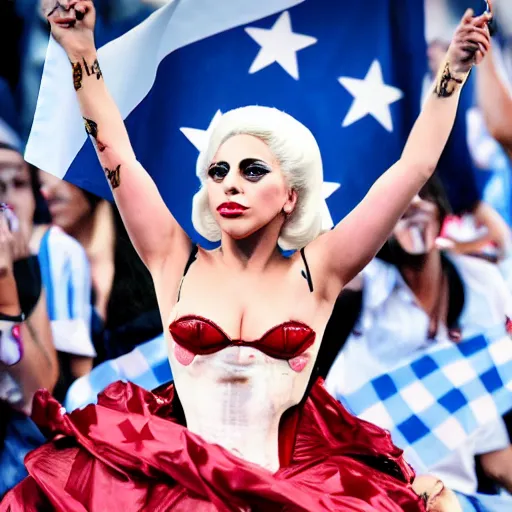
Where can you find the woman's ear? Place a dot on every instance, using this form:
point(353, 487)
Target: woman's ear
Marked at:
point(291, 202)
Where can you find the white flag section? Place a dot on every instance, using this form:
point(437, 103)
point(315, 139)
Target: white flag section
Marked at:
point(129, 65)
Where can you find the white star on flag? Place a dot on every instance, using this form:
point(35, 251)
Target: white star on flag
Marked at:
point(279, 44)
point(199, 139)
point(371, 96)
point(328, 189)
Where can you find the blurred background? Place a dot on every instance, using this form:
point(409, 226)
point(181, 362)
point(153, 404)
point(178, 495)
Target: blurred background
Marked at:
point(91, 300)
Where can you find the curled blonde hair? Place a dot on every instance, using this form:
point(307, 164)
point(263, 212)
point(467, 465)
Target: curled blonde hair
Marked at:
point(298, 154)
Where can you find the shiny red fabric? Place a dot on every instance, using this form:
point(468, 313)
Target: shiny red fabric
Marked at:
point(129, 453)
point(202, 336)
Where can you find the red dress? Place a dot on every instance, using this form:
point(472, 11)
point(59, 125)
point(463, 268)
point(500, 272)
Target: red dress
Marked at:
point(131, 452)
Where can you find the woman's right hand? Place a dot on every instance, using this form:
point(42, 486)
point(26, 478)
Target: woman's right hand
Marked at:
point(72, 25)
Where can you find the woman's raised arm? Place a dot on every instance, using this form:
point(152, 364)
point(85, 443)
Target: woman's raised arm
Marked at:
point(358, 237)
point(152, 228)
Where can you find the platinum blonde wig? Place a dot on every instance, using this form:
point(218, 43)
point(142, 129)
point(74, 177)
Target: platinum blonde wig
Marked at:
point(298, 154)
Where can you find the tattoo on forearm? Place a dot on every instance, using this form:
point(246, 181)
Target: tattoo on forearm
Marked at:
point(90, 70)
point(36, 340)
point(92, 129)
point(94, 69)
point(447, 83)
point(77, 75)
point(114, 176)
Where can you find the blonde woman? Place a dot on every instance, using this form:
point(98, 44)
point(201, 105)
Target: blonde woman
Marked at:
point(250, 430)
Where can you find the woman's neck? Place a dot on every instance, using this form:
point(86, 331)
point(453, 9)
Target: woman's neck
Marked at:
point(425, 280)
point(96, 232)
point(98, 237)
point(84, 233)
point(254, 252)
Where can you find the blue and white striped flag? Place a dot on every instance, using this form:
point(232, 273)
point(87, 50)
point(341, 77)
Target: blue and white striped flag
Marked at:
point(350, 71)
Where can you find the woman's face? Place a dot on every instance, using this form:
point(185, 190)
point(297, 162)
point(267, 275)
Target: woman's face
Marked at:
point(16, 187)
point(417, 230)
point(68, 205)
point(246, 187)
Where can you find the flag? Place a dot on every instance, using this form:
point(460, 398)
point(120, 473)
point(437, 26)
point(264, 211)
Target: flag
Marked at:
point(434, 402)
point(147, 366)
point(350, 71)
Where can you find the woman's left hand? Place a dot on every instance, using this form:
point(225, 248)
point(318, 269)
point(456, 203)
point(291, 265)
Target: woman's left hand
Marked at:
point(436, 496)
point(471, 42)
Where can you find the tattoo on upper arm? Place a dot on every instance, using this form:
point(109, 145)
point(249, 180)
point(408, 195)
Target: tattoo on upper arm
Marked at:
point(447, 83)
point(92, 129)
point(114, 176)
point(35, 337)
point(77, 75)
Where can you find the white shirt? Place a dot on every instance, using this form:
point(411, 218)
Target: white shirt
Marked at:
point(393, 328)
point(66, 279)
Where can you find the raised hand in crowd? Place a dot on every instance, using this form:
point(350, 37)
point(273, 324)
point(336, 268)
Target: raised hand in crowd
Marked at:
point(28, 360)
point(495, 102)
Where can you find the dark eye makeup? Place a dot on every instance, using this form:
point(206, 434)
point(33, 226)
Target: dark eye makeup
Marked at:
point(218, 171)
point(254, 169)
point(251, 168)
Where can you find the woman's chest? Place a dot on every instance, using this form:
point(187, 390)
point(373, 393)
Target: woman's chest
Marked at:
point(246, 307)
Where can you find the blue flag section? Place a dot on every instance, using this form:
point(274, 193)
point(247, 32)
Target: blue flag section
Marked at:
point(350, 71)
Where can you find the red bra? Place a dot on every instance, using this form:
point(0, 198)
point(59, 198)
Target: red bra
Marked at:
point(202, 336)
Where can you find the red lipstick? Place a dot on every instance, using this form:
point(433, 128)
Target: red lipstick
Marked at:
point(231, 210)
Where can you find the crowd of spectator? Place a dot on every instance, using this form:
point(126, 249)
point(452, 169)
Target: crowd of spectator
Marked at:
point(78, 310)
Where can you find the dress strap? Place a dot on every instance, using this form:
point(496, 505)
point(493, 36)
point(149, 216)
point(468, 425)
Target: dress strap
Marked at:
point(307, 274)
point(191, 259)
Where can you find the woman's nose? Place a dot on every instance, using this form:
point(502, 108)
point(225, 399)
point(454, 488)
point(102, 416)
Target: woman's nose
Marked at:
point(231, 184)
point(416, 200)
point(6, 193)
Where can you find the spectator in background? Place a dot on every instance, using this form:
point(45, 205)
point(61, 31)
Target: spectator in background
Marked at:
point(495, 101)
point(64, 270)
point(478, 228)
point(417, 297)
point(123, 294)
point(28, 360)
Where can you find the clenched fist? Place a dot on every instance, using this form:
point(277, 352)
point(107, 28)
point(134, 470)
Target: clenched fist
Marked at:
point(72, 25)
point(470, 44)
